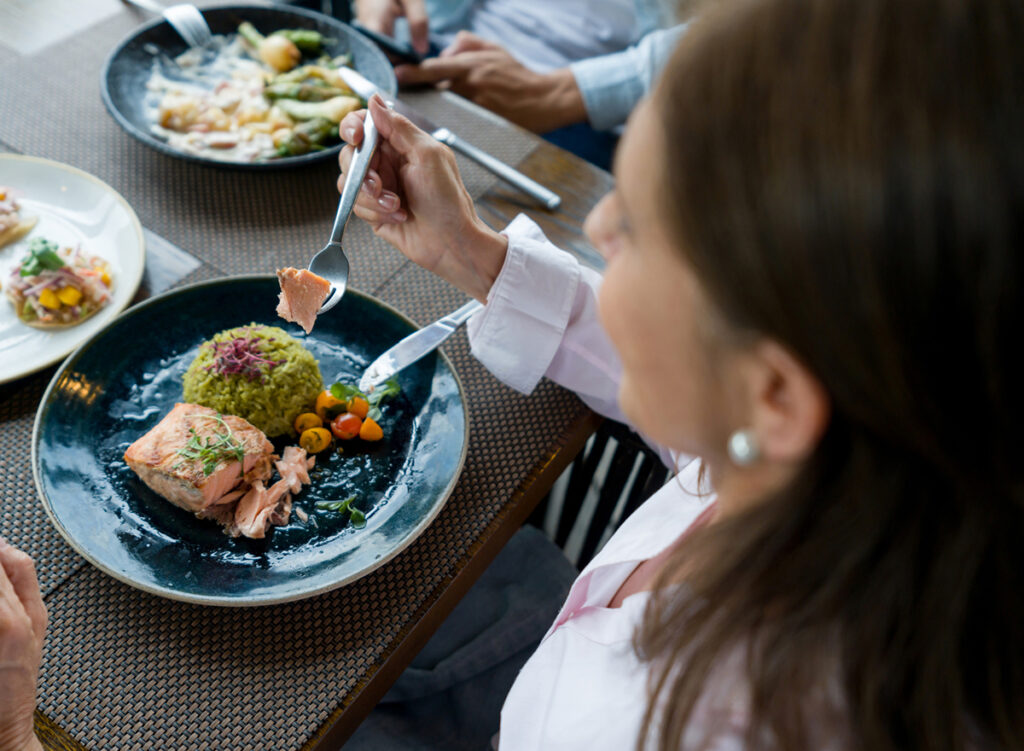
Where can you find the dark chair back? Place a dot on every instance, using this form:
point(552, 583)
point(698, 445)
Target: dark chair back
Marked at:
point(615, 473)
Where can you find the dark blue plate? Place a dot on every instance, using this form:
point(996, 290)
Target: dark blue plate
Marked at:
point(127, 69)
point(123, 380)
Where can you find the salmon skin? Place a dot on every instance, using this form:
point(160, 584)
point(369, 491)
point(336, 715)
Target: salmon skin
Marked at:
point(302, 294)
point(215, 466)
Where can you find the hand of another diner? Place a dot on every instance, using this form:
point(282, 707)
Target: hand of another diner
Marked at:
point(380, 16)
point(487, 74)
point(22, 626)
point(414, 198)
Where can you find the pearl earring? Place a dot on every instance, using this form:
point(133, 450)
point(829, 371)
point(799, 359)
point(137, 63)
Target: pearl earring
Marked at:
point(743, 448)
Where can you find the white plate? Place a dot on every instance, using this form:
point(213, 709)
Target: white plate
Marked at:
point(73, 208)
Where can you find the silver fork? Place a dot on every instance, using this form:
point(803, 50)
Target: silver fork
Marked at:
point(184, 18)
point(331, 263)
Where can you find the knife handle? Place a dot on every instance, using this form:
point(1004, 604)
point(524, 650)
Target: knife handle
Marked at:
point(512, 176)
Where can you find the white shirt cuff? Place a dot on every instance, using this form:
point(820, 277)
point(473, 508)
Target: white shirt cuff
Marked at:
point(519, 331)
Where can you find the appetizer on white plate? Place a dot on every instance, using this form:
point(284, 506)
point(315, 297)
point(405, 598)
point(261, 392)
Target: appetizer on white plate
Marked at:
point(54, 287)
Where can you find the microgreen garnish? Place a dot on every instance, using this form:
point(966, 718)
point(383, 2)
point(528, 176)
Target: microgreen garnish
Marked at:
point(241, 356)
point(214, 449)
point(42, 255)
point(357, 517)
point(343, 392)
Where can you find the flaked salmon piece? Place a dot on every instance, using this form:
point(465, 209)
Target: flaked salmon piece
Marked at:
point(262, 507)
point(294, 467)
point(302, 294)
point(194, 456)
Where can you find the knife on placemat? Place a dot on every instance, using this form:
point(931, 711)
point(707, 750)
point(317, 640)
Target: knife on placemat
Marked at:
point(365, 89)
point(415, 346)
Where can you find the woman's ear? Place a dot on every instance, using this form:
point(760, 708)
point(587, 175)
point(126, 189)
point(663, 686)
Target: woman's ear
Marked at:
point(790, 408)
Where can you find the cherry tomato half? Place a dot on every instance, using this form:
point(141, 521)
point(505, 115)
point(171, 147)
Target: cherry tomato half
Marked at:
point(346, 426)
point(359, 407)
point(370, 430)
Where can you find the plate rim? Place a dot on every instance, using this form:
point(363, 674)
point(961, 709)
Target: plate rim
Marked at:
point(135, 282)
point(147, 139)
point(176, 595)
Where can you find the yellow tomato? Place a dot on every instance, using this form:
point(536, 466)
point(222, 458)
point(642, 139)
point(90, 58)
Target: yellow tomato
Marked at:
point(315, 440)
point(325, 401)
point(307, 420)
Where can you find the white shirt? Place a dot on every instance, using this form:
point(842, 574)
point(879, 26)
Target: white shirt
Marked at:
point(584, 687)
point(544, 35)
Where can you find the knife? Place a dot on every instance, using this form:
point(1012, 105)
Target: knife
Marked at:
point(365, 89)
point(415, 346)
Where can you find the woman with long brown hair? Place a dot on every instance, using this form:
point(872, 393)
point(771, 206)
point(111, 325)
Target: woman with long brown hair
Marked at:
point(813, 283)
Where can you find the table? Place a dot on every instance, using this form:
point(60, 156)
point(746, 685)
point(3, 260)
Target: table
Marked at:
point(124, 669)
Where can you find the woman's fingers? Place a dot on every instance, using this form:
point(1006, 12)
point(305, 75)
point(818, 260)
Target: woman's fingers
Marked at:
point(20, 576)
point(404, 138)
point(351, 127)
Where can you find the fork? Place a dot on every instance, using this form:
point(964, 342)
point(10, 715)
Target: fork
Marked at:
point(184, 18)
point(331, 263)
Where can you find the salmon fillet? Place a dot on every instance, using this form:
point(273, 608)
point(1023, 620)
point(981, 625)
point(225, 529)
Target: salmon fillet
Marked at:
point(302, 294)
point(195, 457)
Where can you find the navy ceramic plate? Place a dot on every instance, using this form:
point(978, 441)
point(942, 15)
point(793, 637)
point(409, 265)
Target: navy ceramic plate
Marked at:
point(127, 69)
point(122, 381)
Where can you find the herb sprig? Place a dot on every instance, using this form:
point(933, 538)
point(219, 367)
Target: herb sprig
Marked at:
point(357, 517)
point(214, 449)
point(42, 256)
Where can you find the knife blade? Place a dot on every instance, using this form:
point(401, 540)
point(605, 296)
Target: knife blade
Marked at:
point(416, 345)
point(365, 89)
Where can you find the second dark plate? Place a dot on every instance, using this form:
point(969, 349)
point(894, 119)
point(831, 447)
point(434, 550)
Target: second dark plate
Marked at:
point(127, 69)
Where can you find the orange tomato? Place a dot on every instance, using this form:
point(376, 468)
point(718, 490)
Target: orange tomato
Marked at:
point(326, 403)
point(315, 440)
point(346, 426)
point(305, 421)
point(370, 430)
point(359, 407)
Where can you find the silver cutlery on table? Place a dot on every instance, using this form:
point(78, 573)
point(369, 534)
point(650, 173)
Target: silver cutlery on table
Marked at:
point(365, 89)
point(331, 262)
point(416, 345)
point(184, 18)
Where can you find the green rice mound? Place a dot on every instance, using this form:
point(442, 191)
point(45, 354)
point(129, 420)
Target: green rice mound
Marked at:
point(268, 396)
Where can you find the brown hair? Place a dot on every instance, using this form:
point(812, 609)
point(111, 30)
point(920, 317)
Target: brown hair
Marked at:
point(846, 177)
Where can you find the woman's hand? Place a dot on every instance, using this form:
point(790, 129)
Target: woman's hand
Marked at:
point(22, 625)
point(413, 197)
